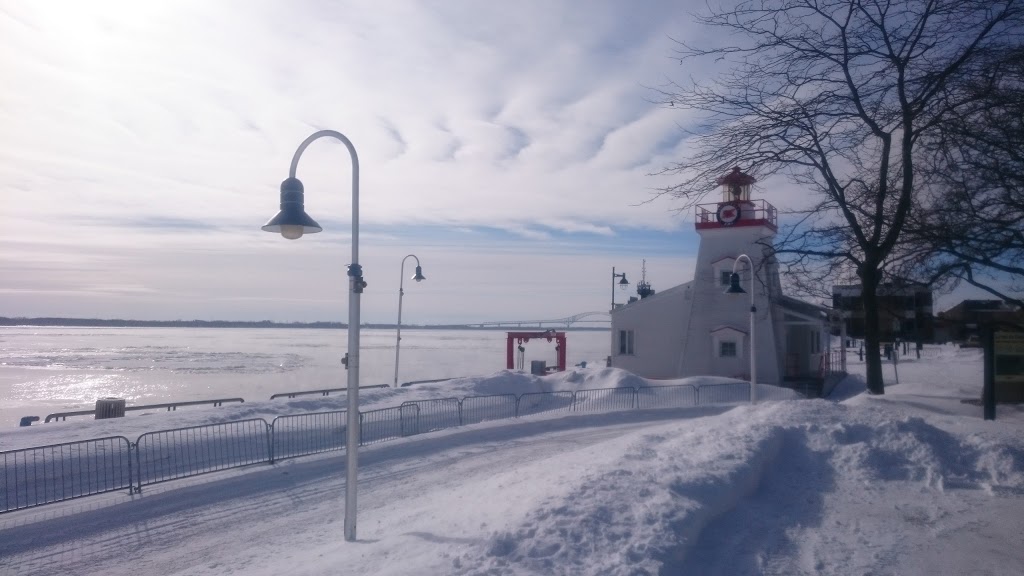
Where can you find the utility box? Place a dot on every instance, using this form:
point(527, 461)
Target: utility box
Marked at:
point(110, 408)
point(538, 367)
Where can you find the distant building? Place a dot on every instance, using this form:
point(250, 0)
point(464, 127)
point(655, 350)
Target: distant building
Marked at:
point(963, 322)
point(697, 329)
point(904, 311)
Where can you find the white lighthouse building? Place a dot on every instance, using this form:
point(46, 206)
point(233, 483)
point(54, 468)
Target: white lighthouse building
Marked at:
point(697, 329)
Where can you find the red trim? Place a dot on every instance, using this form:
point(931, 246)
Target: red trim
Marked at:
point(737, 224)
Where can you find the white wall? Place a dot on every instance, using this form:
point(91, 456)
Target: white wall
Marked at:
point(717, 309)
point(658, 323)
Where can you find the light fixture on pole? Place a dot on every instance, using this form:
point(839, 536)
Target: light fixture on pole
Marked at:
point(735, 288)
point(419, 277)
point(622, 284)
point(292, 222)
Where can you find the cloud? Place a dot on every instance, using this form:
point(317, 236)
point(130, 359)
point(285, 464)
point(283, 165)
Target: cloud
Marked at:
point(144, 144)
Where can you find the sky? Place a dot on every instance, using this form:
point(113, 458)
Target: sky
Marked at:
point(512, 147)
point(914, 482)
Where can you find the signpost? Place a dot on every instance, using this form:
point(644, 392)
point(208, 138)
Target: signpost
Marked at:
point(1004, 369)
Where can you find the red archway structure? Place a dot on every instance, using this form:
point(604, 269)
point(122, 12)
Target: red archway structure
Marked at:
point(523, 337)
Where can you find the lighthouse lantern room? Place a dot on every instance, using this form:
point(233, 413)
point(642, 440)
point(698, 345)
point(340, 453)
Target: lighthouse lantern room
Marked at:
point(736, 208)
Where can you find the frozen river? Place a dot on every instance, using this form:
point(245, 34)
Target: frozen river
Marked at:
point(57, 369)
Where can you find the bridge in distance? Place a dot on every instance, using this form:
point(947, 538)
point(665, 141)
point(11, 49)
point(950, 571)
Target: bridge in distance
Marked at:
point(587, 319)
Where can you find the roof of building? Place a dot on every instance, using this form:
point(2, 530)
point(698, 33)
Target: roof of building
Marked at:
point(803, 308)
point(737, 177)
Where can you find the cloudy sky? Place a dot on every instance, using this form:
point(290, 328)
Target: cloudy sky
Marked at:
point(509, 145)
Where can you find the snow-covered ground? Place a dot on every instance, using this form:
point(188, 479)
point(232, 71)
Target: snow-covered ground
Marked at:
point(913, 482)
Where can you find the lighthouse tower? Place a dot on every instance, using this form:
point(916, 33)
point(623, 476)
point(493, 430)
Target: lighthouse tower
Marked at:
point(716, 339)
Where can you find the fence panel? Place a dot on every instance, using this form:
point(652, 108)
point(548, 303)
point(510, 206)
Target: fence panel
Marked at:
point(728, 393)
point(672, 396)
point(602, 399)
point(437, 414)
point(538, 402)
point(184, 452)
point(41, 475)
point(302, 434)
point(387, 424)
point(483, 408)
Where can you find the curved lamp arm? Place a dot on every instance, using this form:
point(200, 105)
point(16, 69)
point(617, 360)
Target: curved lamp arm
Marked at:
point(355, 180)
point(401, 292)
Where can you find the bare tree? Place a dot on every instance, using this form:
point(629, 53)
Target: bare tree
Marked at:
point(836, 95)
point(968, 225)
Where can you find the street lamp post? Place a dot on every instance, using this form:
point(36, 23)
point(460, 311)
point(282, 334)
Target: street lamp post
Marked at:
point(735, 288)
point(419, 277)
point(292, 222)
point(622, 284)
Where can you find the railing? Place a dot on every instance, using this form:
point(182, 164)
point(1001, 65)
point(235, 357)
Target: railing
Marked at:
point(604, 399)
point(45, 474)
point(324, 392)
point(387, 424)
point(304, 434)
point(171, 406)
point(752, 213)
point(35, 476)
point(477, 409)
point(666, 396)
point(183, 452)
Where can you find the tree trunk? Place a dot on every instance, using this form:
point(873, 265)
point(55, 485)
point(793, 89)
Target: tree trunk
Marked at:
point(872, 334)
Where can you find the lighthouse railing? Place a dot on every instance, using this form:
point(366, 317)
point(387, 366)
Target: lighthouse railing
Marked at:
point(752, 212)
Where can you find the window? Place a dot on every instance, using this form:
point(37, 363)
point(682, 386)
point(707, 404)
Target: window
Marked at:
point(727, 349)
point(725, 277)
point(626, 339)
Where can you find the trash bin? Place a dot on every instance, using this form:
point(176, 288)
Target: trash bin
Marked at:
point(109, 408)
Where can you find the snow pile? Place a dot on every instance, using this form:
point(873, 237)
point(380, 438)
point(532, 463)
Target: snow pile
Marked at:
point(782, 475)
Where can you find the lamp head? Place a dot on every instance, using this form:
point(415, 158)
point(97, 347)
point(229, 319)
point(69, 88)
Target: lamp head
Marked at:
point(734, 285)
point(623, 283)
point(292, 221)
point(419, 274)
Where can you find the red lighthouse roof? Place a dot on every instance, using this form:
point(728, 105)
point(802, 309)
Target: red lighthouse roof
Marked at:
point(736, 178)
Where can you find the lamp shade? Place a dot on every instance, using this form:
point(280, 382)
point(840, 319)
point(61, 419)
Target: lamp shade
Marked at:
point(419, 274)
point(292, 221)
point(623, 283)
point(734, 285)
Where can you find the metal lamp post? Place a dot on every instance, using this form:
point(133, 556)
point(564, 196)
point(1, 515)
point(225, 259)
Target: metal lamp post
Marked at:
point(419, 277)
point(292, 222)
point(735, 288)
point(622, 284)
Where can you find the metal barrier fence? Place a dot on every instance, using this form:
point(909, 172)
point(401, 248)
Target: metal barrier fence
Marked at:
point(35, 476)
point(540, 402)
point(436, 414)
point(183, 452)
point(729, 393)
point(305, 434)
point(45, 474)
point(603, 399)
point(387, 424)
point(670, 396)
point(477, 409)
